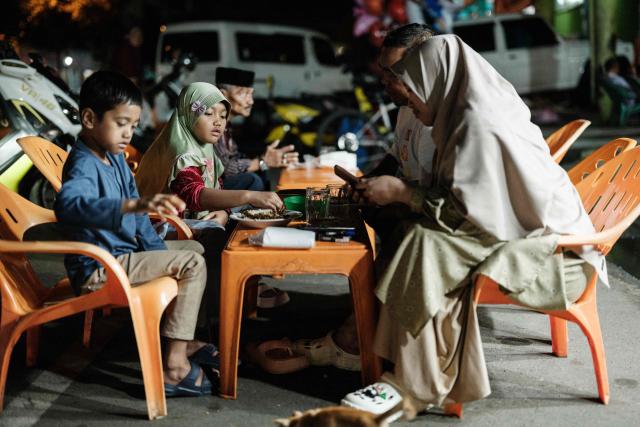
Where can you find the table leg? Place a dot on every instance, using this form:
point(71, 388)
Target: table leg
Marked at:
point(362, 281)
point(231, 296)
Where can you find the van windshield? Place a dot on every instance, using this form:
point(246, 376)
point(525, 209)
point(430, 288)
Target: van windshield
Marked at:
point(324, 51)
point(203, 45)
point(278, 48)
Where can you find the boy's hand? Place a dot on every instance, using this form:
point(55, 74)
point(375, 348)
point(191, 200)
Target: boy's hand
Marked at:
point(265, 199)
point(221, 217)
point(163, 204)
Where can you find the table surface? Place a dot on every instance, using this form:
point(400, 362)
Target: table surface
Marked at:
point(239, 241)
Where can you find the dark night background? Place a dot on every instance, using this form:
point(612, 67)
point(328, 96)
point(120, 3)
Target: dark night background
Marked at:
point(99, 27)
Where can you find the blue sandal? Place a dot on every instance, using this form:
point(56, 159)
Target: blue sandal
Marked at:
point(187, 387)
point(207, 355)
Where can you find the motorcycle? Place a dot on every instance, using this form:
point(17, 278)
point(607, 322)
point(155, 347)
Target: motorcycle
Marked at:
point(31, 104)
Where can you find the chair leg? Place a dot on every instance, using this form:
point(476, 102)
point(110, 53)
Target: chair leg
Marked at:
point(33, 346)
point(588, 320)
point(146, 324)
point(453, 409)
point(86, 330)
point(9, 334)
point(559, 336)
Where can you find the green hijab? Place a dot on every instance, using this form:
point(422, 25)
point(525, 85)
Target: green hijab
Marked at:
point(177, 148)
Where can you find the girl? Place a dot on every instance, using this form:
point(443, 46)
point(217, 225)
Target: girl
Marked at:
point(496, 203)
point(182, 161)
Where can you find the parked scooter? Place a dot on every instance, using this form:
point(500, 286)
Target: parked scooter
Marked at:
point(31, 104)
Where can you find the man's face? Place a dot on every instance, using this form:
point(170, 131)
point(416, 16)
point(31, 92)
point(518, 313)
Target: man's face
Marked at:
point(241, 99)
point(392, 85)
point(114, 131)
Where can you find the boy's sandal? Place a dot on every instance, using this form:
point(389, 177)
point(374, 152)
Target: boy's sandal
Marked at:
point(187, 387)
point(324, 352)
point(270, 297)
point(277, 357)
point(208, 355)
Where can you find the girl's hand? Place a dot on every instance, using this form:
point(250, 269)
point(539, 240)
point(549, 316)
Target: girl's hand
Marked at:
point(163, 204)
point(221, 217)
point(265, 199)
point(384, 190)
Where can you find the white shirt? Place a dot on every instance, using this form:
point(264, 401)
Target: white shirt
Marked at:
point(413, 147)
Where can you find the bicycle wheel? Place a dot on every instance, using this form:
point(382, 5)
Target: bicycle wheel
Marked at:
point(353, 131)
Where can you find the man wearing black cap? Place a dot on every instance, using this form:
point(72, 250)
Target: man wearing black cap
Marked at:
point(240, 172)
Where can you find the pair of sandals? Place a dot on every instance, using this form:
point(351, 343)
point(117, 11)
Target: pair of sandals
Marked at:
point(206, 356)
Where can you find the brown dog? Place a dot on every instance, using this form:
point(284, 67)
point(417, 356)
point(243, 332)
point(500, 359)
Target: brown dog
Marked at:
point(337, 416)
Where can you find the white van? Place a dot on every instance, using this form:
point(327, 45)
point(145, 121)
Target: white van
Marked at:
point(526, 51)
point(296, 59)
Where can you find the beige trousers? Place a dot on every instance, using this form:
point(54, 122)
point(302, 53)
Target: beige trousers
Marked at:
point(183, 262)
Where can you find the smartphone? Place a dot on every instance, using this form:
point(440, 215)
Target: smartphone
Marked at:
point(350, 178)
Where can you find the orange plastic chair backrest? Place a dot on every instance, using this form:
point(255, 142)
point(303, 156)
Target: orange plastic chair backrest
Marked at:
point(599, 157)
point(561, 140)
point(47, 157)
point(18, 214)
point(133, 157)
point(611, 194)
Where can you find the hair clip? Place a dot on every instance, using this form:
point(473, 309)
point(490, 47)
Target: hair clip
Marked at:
point(198, 107)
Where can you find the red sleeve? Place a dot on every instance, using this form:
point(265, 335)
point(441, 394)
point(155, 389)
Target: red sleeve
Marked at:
point(187, 185)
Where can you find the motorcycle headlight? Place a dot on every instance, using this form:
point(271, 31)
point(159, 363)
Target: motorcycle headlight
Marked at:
point(69, 110)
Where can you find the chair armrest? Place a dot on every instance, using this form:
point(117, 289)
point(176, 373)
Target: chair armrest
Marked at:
point(117, 281)
point(603, 240)
point(183, 230)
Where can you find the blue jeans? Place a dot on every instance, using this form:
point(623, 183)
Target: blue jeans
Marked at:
point(243, 181)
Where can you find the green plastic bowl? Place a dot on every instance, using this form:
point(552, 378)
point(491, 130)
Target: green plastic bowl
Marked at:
point(294, 203)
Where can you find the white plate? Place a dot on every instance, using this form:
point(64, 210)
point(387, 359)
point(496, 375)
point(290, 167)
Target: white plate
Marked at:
point(263, 223)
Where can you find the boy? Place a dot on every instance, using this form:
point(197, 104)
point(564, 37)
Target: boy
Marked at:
point(99, 204)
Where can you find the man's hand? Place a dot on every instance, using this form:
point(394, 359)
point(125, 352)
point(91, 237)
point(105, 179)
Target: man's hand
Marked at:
point(163, 204)
point(280, 157)
point(384, 190)
point(221, 217)
point(265, 199)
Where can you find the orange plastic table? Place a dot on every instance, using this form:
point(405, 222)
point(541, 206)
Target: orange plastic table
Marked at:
point(241, 261)
point(293, 179)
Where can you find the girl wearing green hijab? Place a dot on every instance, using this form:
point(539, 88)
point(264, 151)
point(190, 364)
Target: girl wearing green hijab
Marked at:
point(184, 150)
point(182, 161)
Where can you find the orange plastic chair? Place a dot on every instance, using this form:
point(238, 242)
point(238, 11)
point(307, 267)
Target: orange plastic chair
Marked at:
point(27, 303)
point(599, 157)
point(49, 159)
point(133, 157)
point(561, 140)
point(611, 195)
point(17, 216)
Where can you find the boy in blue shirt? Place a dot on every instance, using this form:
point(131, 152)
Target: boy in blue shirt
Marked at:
point(99, 204)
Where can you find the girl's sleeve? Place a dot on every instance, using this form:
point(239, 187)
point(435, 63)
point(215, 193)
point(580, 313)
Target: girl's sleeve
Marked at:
point(188, 185)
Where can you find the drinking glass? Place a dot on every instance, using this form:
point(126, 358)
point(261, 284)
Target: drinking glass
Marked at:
point(317, 204)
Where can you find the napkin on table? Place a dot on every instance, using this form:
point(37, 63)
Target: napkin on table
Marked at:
point(284, 237)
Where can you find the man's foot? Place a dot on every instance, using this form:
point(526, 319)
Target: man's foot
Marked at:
point(377, 398)
point(324, 351)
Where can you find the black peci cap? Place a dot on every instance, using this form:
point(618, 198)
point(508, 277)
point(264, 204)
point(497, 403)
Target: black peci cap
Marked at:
point(234, 76)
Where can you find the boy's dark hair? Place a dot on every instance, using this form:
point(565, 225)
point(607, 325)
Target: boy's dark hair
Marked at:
point(408, 35)
point(610, 63)
point(104, 90)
